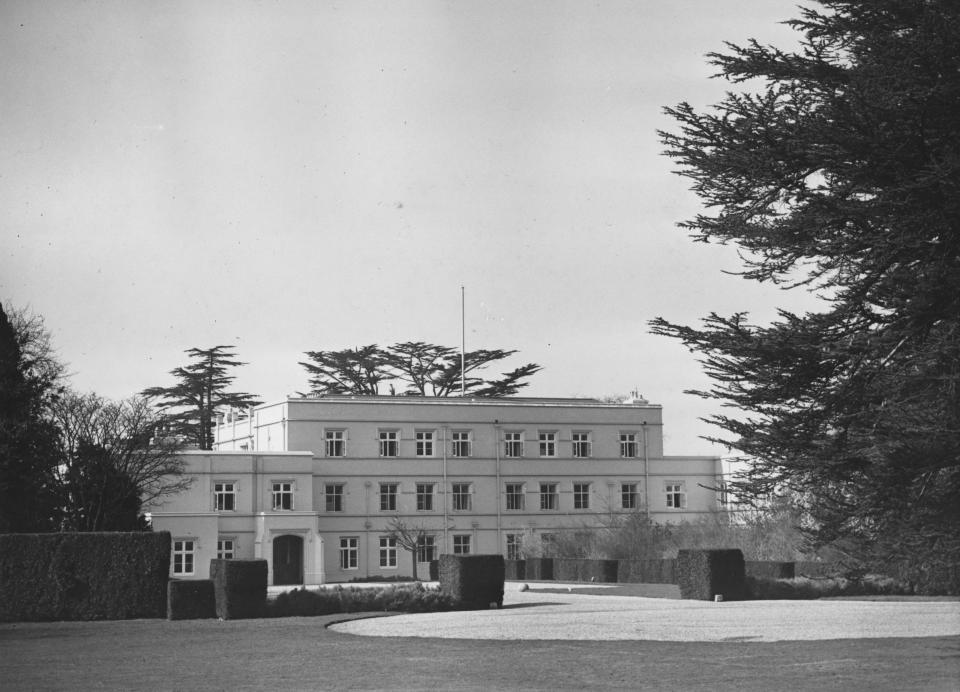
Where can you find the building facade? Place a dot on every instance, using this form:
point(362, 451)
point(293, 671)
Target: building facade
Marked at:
point(315, 485)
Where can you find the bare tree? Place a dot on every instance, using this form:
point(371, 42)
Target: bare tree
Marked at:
point(408, 537)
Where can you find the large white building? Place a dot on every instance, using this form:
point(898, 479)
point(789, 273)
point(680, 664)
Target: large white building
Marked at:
point(312, 485)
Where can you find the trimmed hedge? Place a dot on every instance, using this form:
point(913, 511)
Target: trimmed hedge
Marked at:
point(472, 581)
point(434, 570)
point(647, 571)
point(351, 599)
point(83, 576)
point(765, 569)
point(191, 600)
point(240, 587)
point(539, 568)
point(578, 569)
point(515, 570)
point(704, 574)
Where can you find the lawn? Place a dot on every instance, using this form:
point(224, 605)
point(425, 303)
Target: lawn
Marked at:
point(301, 654)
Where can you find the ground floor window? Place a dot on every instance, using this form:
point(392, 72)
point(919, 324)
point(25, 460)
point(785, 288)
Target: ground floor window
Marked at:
point(183, 556)
point(676, 497)
point(349, 552)
point(513, 546)
point(426, 549)
point(225, 549)
point(461, 545)
point(388, 552)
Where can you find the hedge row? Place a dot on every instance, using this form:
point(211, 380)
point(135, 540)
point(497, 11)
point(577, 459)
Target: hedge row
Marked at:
point(240, 588)
point(83, 576)
point(705, 574)
point(472, 581)
point(191, 600)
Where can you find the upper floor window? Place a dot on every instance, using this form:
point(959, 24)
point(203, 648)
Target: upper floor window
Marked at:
point(461, 544)
point(425, 440)
point(334, 497)
point(628, 496)
point(548, 444)
point(183, 554)
point(581, 445)
point(224, 497)
point(461, 443)
point(676, 495)
point(628, 445)
point(389, 440)
point(425, 497)
point(548, 496)
point(515, 496)
point(336, 443)
point(388, 497)
point(581, 496)
point(461, 496)
point(282, 495)
point(226, 548)
point(513, 444)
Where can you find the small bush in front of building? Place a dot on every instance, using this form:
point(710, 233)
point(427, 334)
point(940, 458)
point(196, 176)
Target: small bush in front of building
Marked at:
point(240, 587)
point(472, 581)
point(405, 599)
point(539, 568)
point(704, 574)
point(83, 576)
point(805, 588)
point(191, 599)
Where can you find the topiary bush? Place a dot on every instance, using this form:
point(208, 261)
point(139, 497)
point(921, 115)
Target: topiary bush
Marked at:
point(704, 574)
point(191, 599)
point(240, 587)
point(83, 576)
point(472, 581)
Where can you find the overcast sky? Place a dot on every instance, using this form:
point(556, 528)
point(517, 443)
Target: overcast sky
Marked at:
point(292, 176)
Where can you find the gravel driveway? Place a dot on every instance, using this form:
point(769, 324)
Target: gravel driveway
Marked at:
point(573, 616)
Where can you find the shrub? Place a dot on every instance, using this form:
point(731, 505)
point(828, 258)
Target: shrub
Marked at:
point(539, 568)
point(703, 574)
point(406, 599)
point(805, 588)
point(573, 569)
point(766, 569)
point(472, 581)
point(514, 570)
point(83, 576)
point(647, 571)
point(434, 570)
point(240, 587)
point(191, 600)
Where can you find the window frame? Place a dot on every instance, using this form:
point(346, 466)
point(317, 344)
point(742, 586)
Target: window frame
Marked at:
point(514, 549)
point(675, 491)
point(219, 496)
point(581, 440)
point(337, 493)
point(547, 444)
point(389, 441)
point(513, 444)
point(628, 444)
point(425, 443)
point(461, 497)
point(460, 441)
point(389, 492)
point(349, 553)
point(426, 497)
point(332, 443)
point(633, 493)
point(388, 552)
point(549, 498)
point(291, 491)
point(581, 495)
point(461, 544)
point(222, 549)
point(517, 497)
point(426, 548)
point(183, 556)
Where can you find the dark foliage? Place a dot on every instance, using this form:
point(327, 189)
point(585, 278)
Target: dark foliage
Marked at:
point(472, 581)
point(191, 599)
point(422, 369)
point(842, 176)
point(574, 569)
point(402, 599)
point(647, 571)
point(83, 576)
point(539, 568)
point(240, 587)
point(201, 390)
point(703, 574)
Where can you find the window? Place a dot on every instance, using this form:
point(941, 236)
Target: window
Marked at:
point(548, 496)
point(426, 549)
point(388, 443)
point(676, 497)
point(581, 496)
point(513, 444)
point(424, 443)
point(183, 556)
point(628, 496)
point(334, 497)
point(461, 497)
point(513, 546)
point(282, 496)
point(628, 445)
point(336, 443)
point(225, 549)
point(461, 545)
point(388, 552)
point(461, 444)
point(514, 495)
point(548, 544)
point(224, 497)
point(548, 444)
point(349, 552)
point(425, 497)
point(581, 445)
point(388, 497)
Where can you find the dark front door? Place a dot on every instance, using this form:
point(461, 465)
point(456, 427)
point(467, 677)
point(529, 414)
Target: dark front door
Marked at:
point(287, 560)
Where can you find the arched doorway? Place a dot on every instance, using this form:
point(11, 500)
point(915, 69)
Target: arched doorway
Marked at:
point(287, 560)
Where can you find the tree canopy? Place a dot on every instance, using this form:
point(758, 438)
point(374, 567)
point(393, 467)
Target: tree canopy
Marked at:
point(422, 369)
point(841, 175)
point(201, 389)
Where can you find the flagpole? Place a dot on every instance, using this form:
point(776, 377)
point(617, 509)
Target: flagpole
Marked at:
point(463, 343)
